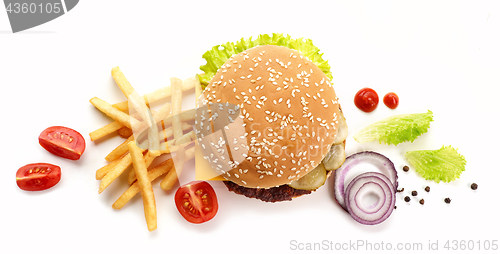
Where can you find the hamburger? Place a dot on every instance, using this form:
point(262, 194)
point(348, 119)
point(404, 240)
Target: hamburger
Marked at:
point(272, 125)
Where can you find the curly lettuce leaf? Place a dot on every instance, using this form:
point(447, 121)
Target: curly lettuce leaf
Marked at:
point(445, 164)
point(219, 54)
point(396, 129)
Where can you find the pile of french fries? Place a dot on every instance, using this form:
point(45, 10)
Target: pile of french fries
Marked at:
point(142, 127)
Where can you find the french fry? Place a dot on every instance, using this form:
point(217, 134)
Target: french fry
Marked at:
point(154, 173)
point(172, 146)
point(123, 148)
point(140, 106)
point(100, 173)
point(169, 132)
point(160, 94)
point(145, 187)
point(185, 116)
point(120, 150)
point(124, 132)
point(198, 90)
point(170, 179)
point(122, 164)
point(188, 137)
point(105, 130)
point(121, 81)
point(109, 128)
point(158, 116)
point(176, 84)
point(114, 113)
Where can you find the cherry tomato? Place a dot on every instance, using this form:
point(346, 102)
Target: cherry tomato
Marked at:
point(391, 100)
point(38, 176)
point(366, 99)
point(63, 142)
point(196, 201)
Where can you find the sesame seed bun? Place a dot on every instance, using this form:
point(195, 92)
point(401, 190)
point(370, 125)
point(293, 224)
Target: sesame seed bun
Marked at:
point(287, 116)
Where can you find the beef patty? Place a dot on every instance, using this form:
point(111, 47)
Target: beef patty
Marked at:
point(274, 194)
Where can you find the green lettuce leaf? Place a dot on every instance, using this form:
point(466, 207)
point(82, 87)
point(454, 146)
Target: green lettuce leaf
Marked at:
point(445, 164)
point(219, 54)
point(396, 129)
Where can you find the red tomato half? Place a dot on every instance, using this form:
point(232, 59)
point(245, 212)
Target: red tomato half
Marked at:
point(196, 201)
point(63, 142)
point(38, 176)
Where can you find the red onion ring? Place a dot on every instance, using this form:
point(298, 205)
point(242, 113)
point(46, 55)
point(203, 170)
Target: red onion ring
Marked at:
point(375, 183)
point(380, 161)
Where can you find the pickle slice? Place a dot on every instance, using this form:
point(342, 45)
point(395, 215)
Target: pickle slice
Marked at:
point(341, 131)
point(335, 157)
point(313, 180)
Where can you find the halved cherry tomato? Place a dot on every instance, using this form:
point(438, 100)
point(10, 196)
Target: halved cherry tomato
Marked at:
point(196, 201)
point(38, 176)
point(63, 142)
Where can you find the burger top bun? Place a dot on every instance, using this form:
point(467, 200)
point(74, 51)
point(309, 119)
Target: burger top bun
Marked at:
point(286, 117)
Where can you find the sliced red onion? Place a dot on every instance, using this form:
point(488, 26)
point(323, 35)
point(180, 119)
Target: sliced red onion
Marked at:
point(370, 183)
point(378, 160)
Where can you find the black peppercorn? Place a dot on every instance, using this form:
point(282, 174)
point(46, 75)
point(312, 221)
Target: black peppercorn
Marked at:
point(402, 189)
point(421, 201)
point(427, 189)
point(447, 200)
point(406, 168)
point(407, 199)
point(473, 186)
point(414, 193)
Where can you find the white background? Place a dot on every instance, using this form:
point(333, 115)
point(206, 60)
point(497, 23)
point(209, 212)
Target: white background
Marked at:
point(437, 55)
